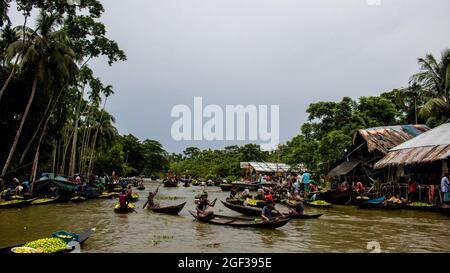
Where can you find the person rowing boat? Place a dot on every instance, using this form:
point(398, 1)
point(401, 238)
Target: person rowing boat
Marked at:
point(203, 204)
point(150, 202)
point(267, 211)
point(297, 209)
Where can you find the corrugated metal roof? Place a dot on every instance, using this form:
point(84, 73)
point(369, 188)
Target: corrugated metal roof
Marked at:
point(386, 137)
point(428, 147)
point(344, 168)
point(414, 155)
point(438, 136)
point(269, 167)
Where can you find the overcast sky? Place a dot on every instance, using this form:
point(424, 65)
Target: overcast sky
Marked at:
point(285, 52)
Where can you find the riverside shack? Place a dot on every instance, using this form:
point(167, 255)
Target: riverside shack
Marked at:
point(423, 159)
point(369, 146)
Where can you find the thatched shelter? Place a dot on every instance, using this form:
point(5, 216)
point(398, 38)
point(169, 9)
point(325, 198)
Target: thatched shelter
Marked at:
point(428, 148)
point(369, 146)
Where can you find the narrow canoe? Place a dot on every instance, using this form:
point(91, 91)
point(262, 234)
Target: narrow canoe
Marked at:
point(141, 188)
point(44, 201)
point(373, 203)
point(15, 203)
point(77, 199)
point(169, 183)
point(82, 237)
point(130, 208)
point(242, 222)
point(134, 197)
point(318, 205)
point(169, 209)
point(226, 186)
point(252, 211)
point(108, 195)
point(427, 207)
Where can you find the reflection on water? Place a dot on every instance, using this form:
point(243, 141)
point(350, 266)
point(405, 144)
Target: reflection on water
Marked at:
point(340, 229)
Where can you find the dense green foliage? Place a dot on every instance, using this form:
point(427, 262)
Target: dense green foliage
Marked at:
point(52, 105)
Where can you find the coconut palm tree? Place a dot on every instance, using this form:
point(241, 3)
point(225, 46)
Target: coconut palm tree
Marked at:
point(434, 77)
point(46, 54)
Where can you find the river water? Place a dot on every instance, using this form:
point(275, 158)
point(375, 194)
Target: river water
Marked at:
point(340, 229)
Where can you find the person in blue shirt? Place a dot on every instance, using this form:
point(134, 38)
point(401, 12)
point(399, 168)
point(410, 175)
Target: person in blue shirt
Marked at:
point(445, 188)
point(306, 179)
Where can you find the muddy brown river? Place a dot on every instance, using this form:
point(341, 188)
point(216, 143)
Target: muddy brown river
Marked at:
point(340, 229)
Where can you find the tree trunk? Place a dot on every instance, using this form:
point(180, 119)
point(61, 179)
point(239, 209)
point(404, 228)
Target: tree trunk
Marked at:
point(73, 154)
point(11, 75)
point(19, 130)
point(25, 152)
point(36, 156)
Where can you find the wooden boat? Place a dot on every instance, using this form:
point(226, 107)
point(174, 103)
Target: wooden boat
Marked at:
point(251, 211)
point(337, 197)
point(421, 207)
point(373, 203)
point(225, 186)
point(392, 206)
point(267, 184)
point(134, 197)
point(107, 195)
point(15, 203)
point(236, 201)
point(246, 185)
point(82, 237)
point(141, 188)
point(44, 201)
point(169, 183)
point(217, 183)
point(77, 199)
point(318, 204)
point(129, 208)
point(169, 209)
point(242, 222)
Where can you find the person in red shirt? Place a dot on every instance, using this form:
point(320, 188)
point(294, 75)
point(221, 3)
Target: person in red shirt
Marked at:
point(268, 196)
point(412, 190)
point(360, 187)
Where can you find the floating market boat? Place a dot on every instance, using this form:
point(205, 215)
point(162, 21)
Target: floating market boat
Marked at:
point(107, 195)
point(236, 201)
point(226, 186)
point(337, 197)
point(421, 206)
point(134, 197)
point(130, 208)
point(44, 201)
point(373, 203)
point(168, 209)
point(318, 204)
point(15, 203)
point(77, 199)
point(141, 188)
point(251, 211)
point(246, 185)
point(242, 222)
point(52, 244)
point(393, 205)
point(170, 183)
